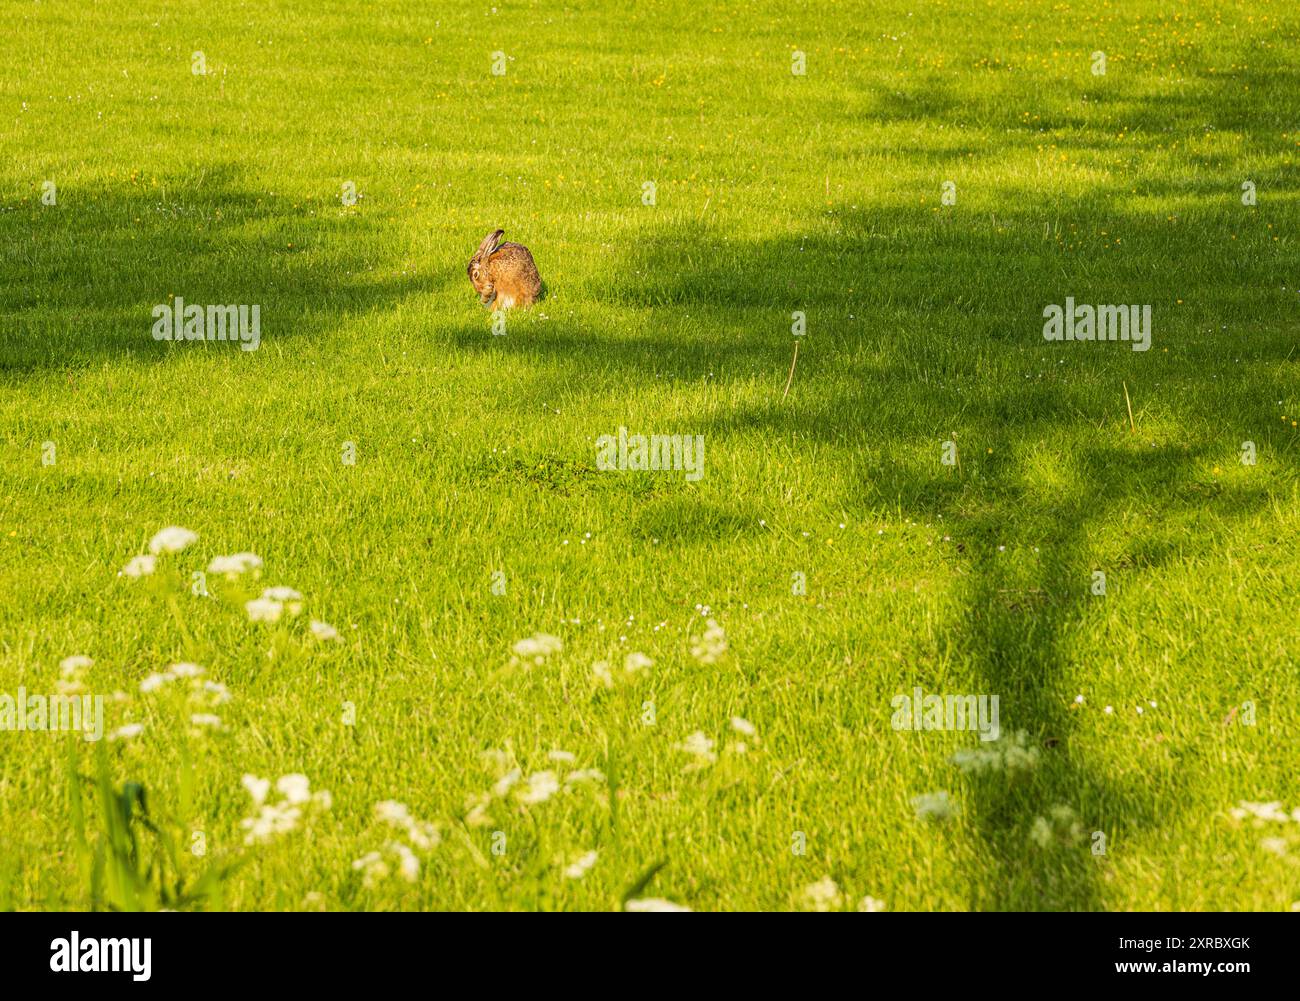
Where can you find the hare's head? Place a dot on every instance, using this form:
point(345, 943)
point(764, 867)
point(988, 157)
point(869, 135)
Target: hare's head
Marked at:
point(478, 266)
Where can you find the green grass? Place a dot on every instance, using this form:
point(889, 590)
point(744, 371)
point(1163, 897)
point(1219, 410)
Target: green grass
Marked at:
point(475, 453)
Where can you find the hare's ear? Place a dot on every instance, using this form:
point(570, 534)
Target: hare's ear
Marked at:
point(489, 244)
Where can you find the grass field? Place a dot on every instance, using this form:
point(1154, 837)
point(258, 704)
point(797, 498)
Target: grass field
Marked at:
point(431, 489)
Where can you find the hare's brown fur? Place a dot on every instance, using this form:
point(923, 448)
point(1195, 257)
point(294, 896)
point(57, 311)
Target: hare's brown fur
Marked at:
point(504, 274)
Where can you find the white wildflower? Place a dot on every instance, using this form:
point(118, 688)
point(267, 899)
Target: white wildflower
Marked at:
point(701, 747)
point(257, 788)
point(504, 784)
point(408, 866)
point(295, 787)
point(127, 732)
point(234, 565)
point(580, 866)
point(870, 905)
point(374, 870)
point(263, 610)
point(171, 540)
point(323, 631)
point(153, 681)
point(140, 566)
point(541, 787)
point(71, 665)
point(712, 645)
point(653, 905)
point(744, 726)
point(583, 775)
point(534, 650)
point(634, 663)
point(934, 806)
point(824, 895)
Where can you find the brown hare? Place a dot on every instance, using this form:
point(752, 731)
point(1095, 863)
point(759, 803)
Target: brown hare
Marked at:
point(504, 274)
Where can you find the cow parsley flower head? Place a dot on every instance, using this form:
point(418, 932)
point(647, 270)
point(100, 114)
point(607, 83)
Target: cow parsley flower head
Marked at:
point(323, 631)
point(295, 788)
point(634, 663)
point(263, 610)
point(580, 866)
point(140, 566)
point(534, 650)
point(232, 566)
point(273, 819)
point(711, 647)
point(257, 788)
point(743, 726)
point(72, 665)
point(933, 806)
point(172, 540)
point(653, 905)
point(541, 787)
point(699, 746)
point(824, 895)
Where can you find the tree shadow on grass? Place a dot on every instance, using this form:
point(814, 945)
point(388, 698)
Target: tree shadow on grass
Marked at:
point(919, 327)
point(83, 275)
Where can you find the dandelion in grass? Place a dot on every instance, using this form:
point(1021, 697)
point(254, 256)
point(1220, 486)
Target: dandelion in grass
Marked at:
point(127, 732)
point(564, 757)
point(871, 905)
point(653, 905)
point(824, 895)
point(172, 540)
point(140, 566)
point(743, 726)
point(935, 807)
point(206, 721)
point(580, 866)
point(711, 647)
